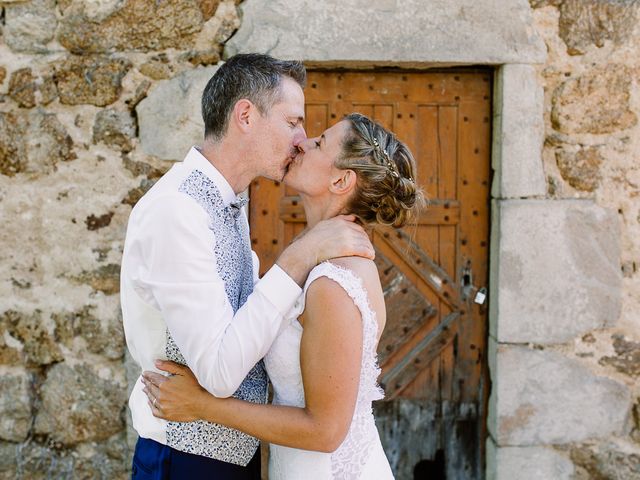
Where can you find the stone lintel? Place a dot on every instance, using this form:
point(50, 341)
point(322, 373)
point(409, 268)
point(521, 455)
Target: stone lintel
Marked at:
point(489, 32)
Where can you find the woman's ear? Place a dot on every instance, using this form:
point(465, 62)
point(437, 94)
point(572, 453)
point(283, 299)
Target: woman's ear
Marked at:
point(344, 182)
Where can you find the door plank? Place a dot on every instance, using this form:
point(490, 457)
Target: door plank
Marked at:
point(404, 372)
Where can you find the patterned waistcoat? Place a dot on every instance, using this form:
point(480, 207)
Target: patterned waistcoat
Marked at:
point(233, 256)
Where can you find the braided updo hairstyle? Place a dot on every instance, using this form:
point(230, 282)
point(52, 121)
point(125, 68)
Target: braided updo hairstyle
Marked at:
point(386, 190)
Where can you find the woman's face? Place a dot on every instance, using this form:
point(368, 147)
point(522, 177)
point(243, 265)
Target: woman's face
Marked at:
point(312, 170)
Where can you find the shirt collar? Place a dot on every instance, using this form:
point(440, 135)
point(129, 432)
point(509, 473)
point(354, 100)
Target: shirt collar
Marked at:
point(195, 159)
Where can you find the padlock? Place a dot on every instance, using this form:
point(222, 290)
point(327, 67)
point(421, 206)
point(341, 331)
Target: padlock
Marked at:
point(481, 296)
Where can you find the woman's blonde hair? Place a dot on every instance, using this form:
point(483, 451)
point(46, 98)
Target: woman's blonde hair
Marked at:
point(386, 190)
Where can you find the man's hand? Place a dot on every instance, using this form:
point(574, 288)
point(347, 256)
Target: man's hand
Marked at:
point(337, 237)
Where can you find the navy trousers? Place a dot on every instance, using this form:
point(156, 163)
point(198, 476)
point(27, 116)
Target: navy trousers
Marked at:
point(154, 461)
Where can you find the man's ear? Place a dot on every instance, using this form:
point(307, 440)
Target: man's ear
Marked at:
point(343, 182)
point(243, 112)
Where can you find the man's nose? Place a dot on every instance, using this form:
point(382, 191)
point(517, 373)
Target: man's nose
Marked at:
point(299, 137)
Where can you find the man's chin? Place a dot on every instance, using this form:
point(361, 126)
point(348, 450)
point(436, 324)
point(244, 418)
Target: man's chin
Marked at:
point(285, 179)
point(286, 173)
point(289, 177)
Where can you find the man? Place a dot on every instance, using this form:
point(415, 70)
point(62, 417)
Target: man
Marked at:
point(189, 286)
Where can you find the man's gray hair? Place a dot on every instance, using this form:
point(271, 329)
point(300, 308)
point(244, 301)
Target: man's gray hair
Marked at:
point(252, 76)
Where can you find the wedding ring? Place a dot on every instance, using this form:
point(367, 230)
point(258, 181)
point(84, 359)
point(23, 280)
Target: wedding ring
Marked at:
point(154, 402)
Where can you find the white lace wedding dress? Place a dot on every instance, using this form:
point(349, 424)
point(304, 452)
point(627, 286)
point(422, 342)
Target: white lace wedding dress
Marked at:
point(360, 456)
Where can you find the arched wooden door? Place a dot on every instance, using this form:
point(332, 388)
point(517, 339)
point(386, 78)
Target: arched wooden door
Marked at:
point(433, 350)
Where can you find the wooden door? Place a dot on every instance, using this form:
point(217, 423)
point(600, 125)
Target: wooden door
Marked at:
point(433, 350)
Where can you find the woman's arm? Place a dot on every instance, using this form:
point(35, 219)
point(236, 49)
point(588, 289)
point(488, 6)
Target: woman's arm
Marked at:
point(330, 357)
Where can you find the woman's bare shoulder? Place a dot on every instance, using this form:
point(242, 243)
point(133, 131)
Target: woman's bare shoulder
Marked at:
point(362, 267)
point(367, 271)
point(324, 291)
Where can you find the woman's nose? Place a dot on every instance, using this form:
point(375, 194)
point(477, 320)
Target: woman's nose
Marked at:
point(303, 145)
point(307, 144)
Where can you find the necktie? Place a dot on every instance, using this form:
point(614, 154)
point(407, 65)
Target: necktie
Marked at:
point(236, 206)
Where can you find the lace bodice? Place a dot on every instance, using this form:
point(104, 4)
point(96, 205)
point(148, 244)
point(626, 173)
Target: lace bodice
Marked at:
point(283, 366)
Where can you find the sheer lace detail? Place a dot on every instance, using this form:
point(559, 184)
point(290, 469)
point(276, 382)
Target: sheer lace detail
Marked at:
point(348, 461)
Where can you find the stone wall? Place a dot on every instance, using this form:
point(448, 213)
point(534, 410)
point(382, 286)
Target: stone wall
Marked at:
point(97, 99)
point(74, 77)
point(565, 337)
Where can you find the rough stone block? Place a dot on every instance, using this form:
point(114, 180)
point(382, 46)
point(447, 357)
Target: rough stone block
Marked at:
point(32, 142)
point(78, 405)
point(557, 272)
point(519, 133)
point(627, 357)
point(157, 68)
point(15, 406)
point(616, 459)
point(30, 26)
point(168, 129)
point(91, 80)
point(591, 22)
point(527, 463)
point(115, 128)
point(596, 102)
point(32, 460)
point(105, 278)
point(22, 88)
point(541, 397)
point(8, 453)
point(103, 337)
point(129, 25)
point(208, 8)
point(580, 167)
point(25, 339)
point(491, 31)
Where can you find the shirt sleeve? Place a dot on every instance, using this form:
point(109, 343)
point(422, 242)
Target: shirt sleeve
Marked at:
point(180, 274)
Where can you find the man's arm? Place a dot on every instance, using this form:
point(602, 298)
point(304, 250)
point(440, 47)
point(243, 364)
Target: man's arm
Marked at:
point(180, 272)
point(182, 276)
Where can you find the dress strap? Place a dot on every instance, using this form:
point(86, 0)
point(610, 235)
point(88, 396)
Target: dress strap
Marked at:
point(348, 280)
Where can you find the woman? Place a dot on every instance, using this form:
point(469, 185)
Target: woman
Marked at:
point(323, 365)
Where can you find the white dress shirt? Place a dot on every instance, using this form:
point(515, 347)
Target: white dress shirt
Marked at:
point(169, 280)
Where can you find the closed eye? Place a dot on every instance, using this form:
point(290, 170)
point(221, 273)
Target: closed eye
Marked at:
point(317, 142)
point(295, 122)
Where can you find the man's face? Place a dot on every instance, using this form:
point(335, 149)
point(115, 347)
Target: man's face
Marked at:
point(281, 130)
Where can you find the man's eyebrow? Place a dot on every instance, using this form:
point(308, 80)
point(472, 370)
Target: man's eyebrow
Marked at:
point(322, 137)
